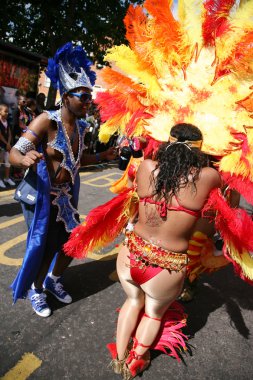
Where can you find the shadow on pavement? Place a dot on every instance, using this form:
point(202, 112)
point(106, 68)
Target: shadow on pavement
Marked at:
point(219, 289)
point(10, 209)
point(84, 280)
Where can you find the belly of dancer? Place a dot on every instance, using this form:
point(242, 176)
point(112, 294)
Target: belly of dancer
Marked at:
point(152, 263)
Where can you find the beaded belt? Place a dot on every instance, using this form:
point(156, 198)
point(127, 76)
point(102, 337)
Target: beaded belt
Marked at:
point(146, 253)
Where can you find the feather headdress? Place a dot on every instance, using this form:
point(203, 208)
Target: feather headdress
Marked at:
point(70, 68)
point(194, 68)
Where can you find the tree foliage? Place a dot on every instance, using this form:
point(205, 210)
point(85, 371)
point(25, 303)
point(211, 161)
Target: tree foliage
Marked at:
point(43, 26)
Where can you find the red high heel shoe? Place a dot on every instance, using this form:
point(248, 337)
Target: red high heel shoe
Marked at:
point(116, 365)
point(130, 371)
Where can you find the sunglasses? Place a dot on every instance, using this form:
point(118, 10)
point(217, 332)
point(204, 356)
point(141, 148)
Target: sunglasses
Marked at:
point(84, 97)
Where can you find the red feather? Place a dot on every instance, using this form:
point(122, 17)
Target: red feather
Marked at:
point(234, 224)
point(170, 338)
point(236, 229)
point(109, 105)
point(152, 147)
point(138, 115)
point(215, 19)
point(103, 224)
point(243, 185)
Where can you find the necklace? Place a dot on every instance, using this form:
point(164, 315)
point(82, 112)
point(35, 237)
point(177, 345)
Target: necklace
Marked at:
point(70, 141)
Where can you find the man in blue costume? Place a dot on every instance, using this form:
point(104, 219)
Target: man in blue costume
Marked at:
point(52, 147)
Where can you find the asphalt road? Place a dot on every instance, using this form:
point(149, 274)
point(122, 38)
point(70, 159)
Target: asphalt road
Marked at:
point(71, 344)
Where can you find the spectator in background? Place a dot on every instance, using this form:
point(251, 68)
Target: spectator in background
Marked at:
point(20, 118)
point(40, 99)
point(89, 135)
point(5, 145)
point(30, 110)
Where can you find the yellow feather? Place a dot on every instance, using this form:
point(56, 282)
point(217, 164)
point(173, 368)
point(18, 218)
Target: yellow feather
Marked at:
point(191, 14)
point(243, 259)
point(191, 97)
point(115, 124)
point(127, 61)
point(181, 10)
point(240, 23)
point(106, 131)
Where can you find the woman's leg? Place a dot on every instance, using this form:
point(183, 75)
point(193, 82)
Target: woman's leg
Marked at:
point(160, 292)
point(129, 312)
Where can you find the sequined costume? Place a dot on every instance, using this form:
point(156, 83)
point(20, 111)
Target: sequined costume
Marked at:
point(64, 196)
point(54, 215)
point(62, 192)
point(148, 259)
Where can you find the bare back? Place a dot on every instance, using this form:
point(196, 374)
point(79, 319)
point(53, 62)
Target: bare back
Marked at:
point(174, 230)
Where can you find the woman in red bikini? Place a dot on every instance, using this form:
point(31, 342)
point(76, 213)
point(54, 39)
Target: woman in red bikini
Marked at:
point(152, 263)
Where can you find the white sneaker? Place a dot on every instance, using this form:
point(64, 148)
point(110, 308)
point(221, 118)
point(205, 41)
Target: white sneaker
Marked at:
point(2, 185)
point(9, 181)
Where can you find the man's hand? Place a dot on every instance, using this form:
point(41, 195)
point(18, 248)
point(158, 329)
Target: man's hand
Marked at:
point(8, 147)
point(110, 154)
point(31, 158)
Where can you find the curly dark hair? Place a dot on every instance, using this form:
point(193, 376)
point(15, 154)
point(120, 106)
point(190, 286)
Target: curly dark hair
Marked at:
point(176, 162)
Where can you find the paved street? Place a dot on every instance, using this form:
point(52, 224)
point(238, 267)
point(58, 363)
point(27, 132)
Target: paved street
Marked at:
point(71, 344)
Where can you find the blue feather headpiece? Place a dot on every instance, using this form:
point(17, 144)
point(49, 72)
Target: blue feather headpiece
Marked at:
point(70, 68)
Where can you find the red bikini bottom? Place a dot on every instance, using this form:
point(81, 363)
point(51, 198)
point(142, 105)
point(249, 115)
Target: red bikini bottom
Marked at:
point(147, 259)
point(142, 275)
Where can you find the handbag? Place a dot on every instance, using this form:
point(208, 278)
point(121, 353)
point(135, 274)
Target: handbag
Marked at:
point(27, 189)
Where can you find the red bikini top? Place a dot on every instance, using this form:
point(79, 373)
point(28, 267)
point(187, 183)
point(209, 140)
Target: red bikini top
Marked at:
point(163, 207)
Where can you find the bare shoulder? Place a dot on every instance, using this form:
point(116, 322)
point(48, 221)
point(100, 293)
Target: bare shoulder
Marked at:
point(40, 125)
point(147, 166)
point(210, 177)
point(144, 177)
point(41, 122)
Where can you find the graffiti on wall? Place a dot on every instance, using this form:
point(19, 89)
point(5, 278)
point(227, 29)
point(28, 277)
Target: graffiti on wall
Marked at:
point(17, 74)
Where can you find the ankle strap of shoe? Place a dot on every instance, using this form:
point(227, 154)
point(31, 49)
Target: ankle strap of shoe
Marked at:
point(133, 354)
point(155, 319)
point(136, 344)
